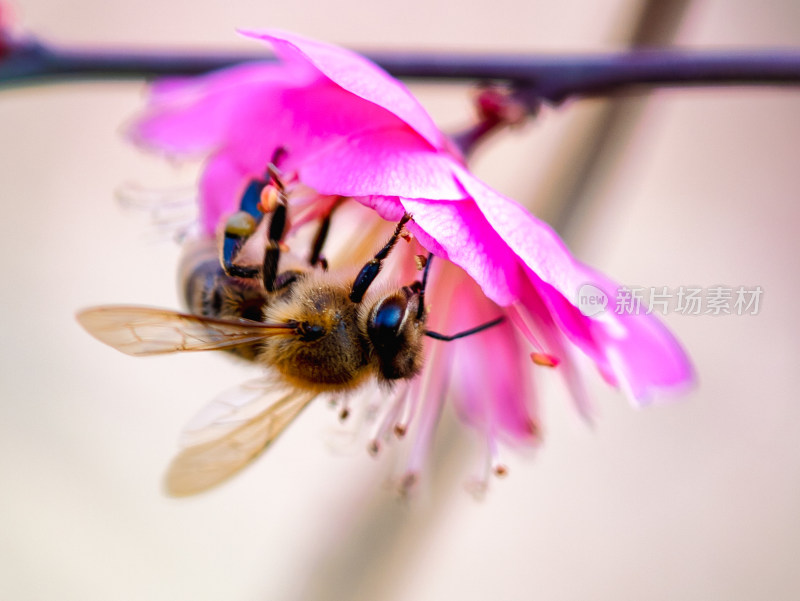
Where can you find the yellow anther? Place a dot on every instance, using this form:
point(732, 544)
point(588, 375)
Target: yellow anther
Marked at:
point(544, 359)
point(240, 224)
point(270, 197)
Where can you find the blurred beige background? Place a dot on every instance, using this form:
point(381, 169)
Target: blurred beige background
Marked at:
point(697, 499)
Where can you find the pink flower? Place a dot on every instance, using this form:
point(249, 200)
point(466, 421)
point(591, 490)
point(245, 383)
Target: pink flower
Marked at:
point(350, 130)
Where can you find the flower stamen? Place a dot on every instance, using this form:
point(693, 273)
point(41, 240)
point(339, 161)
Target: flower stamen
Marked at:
point(409, 409)
point(520, 319)
point(545, 360)
point(381, 433)
point(408, 482)
point(497, 466)
point(433, 391)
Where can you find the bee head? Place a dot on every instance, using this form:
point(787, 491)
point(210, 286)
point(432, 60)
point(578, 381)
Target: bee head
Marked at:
point(396, 328)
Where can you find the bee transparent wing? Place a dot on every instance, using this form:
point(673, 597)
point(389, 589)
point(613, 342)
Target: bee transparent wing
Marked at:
point(230, 432)
point(231, 409)
point(141, 331)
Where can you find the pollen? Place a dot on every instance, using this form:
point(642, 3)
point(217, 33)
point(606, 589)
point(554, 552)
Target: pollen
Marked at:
point(374, 447)
point(500, 470)
point(240, 224)
point(544, 359)
point(534, 429)
point(407, 483)
point(270, 197)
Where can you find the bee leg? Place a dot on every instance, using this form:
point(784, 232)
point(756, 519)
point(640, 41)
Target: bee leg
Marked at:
point(239, 227)
point(319, 242)
point(421, 311)
point(242, 224)
point(251, 198)
point(419, 288)
point(322, 235)
point(371, 270)
point(272, 254)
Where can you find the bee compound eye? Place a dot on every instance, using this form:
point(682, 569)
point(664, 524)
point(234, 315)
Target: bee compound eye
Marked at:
point(386, 318)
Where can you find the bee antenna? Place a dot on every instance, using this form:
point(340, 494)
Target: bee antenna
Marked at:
point(465, 333)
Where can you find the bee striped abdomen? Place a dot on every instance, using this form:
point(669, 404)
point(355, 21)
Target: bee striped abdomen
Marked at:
point(208, 291)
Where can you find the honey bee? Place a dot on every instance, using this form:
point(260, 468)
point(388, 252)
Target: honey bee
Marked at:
point(315, 332)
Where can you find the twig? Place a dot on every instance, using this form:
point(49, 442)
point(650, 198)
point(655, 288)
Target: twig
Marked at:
point(549, 78)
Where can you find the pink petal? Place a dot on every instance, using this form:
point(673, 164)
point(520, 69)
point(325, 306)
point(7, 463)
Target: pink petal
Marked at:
point(221, 186)
point(461, 234)
point(339, 143)
point(388, 207)
point(534, 321)
point(305, 121)
point(493, 382)
point(194, 115)
point(642, 354)
point(348, 128)
point(358, 76)
point(529, 238)
point(390, 162)
point(633, 351)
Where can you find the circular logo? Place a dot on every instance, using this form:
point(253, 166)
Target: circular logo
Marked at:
point(591, 300)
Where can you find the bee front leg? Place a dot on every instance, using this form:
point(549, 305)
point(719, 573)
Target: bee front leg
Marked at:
point(371, 270)
point(272, 254)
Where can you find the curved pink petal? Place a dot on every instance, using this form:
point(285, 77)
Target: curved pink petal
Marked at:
point(388, 207)
point(647, 361)
point(642, 354)
point(358, 76)
point(534, 320)
point(195, 115)
point(339, 143)
point(633, 351)
point(221, 185)
point(532, 240)
point(464, 236)
point(492, 380)
point(305, 121)
point(390, 162)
